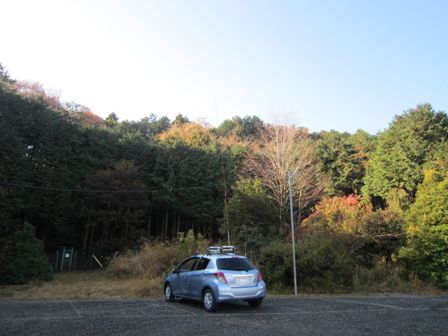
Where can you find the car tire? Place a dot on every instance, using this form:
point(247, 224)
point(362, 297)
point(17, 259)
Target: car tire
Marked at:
point(168, 293)
point(255, 303)
point(209, 301)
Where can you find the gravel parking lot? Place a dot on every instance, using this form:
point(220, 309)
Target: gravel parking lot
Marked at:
point(332, 315)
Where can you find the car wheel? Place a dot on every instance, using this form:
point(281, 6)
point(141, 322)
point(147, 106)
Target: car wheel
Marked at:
point(209, 301)
point(169, 296)
point(255, 303)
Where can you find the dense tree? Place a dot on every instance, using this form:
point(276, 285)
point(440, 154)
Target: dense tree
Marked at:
point(189, 183)
point(4, 75)
point(180, 120)
point(401, 150)
point(147, 128)
point(42, 154)
point(113, 207)
point(104, 185)
point(191, 134)
point(245, 128)
point(152, 126)
point(251, 215)
point(111, 120)
point(426, 251)
point(344, 160)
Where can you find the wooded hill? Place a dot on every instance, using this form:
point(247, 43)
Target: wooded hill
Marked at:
point(106, 185)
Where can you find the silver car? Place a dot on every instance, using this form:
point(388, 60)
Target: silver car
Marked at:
point(219, 276)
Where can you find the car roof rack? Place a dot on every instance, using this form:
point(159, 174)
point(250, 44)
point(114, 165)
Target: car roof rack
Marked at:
point(221, 249)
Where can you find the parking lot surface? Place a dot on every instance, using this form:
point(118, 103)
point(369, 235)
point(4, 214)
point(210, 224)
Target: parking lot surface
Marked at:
point(320, 315)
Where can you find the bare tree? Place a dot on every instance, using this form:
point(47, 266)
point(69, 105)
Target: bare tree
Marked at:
point(280, 149)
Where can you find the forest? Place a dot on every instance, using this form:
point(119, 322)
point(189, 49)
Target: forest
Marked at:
point(365, 205)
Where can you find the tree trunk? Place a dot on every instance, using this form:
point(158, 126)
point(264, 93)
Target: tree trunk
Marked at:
point(148, 224)
point(92, 234)
point(173, 226)
point(86, 236)
point(178, 226)
point(157, 219)
point(45, 235)
point(165, 231)
point(126, 227)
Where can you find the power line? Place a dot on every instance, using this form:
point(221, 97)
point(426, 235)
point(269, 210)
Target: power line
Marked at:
point(30, 186)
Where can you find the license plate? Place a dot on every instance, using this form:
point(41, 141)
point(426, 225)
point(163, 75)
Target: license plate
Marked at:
point(242, 281)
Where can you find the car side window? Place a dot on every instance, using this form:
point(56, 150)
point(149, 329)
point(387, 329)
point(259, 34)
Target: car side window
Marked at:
point(187, 265)
point(202, 264)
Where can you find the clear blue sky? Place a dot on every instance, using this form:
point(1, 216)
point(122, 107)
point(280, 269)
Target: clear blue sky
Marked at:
point(326, 64)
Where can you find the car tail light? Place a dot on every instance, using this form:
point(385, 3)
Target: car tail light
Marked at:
point(221, 277)
point(259, 276)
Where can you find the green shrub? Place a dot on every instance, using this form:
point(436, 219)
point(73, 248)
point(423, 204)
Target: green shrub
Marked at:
point(275, 262)
point(187, 244)
point(383, 276)
point(252, 216)
point(25, 260)
point(324, 262)
point(426, 255)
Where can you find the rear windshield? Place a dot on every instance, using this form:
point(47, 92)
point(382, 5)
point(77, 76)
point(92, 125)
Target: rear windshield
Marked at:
point(234, 264)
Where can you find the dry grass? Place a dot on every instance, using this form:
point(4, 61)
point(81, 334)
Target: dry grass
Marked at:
point(139, 274)
point(387, 278)
point(134, 274)
point(152, 260)
point(96, 285)
point(84, 285)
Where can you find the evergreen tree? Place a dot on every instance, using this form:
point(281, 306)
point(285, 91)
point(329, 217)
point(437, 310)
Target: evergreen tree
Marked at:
point(401, 150)
point(426, 250)
point(24, 259)
point(252, 216)
point(344, 159)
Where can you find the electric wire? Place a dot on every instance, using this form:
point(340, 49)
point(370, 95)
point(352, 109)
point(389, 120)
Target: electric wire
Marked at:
point(77, 190)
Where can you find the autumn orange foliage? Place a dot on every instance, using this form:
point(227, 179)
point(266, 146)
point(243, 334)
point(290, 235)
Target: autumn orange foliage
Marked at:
point(191, 134)
point(36, 90)
point(88, 118)
point(344, 214)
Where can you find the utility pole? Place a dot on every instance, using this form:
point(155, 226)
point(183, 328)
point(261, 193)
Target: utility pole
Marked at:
point(293, 240)
point(226, 212)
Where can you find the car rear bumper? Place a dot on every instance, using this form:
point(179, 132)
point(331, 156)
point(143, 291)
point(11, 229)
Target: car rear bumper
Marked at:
point(226, 293)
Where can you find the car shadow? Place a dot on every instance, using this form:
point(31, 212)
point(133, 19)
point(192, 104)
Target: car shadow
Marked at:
point(223, 308)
